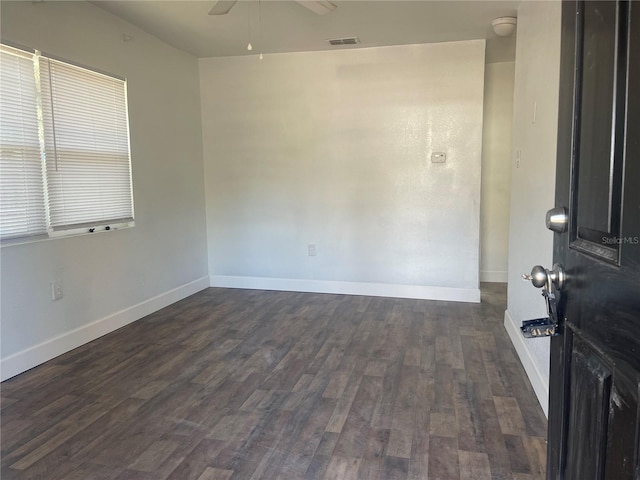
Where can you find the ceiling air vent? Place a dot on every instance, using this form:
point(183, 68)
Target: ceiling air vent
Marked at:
point(344, 41)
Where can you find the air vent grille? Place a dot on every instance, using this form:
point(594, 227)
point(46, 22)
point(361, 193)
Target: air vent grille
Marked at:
point(344, 41)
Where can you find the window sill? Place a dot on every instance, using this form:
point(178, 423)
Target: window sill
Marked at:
point(57, 235)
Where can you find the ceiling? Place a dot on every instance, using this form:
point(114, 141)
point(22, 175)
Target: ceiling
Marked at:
point(286, 26)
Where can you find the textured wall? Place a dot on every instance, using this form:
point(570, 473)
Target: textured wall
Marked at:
point(496, 171)
point(333, 149)
point(535, 122)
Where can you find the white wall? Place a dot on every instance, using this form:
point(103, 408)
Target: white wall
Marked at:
point(333, 148)
point(496, 171)
point(533, 178)
point(112, 278)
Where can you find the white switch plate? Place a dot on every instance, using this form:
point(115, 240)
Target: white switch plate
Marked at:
point(56, 290)
point(438, 157)
point(312, 250)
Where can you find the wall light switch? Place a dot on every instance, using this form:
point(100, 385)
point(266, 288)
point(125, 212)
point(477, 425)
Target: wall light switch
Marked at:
point(312, 250)
point(56, 290)
point(438, 157)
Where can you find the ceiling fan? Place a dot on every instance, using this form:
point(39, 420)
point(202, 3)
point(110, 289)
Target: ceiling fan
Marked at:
point(319, 7)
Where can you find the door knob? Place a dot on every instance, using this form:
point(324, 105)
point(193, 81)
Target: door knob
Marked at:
point(541, 277)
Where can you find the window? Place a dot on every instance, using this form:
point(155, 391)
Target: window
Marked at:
point(64, 148)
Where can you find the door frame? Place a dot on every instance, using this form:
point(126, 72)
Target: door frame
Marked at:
point(567, 120)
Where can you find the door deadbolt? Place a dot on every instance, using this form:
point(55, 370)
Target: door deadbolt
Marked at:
point(557, 219)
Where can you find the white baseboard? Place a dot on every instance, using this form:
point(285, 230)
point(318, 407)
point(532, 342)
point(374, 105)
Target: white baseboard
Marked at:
point(493, 276)
point(26, 359)
point(349, 288)
point(538, 382)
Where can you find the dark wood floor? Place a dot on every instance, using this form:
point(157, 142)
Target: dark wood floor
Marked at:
point(238, 384)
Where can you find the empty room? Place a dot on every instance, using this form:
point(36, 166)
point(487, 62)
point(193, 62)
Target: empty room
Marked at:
point(319, 240)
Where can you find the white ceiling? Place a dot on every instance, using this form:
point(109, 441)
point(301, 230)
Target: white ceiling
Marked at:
point(286, 26)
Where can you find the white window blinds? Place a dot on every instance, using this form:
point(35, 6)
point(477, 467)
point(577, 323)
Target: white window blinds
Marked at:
point(65, 163)
point(22, 198)
point(88, 170)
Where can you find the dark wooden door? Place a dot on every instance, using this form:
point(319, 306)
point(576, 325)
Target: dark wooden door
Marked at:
point(595, 360)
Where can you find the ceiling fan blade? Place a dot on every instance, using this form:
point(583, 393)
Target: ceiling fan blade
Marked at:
point(222, 7)
point(319, 7)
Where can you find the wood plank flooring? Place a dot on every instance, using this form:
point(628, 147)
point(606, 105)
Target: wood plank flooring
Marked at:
point(240, 384)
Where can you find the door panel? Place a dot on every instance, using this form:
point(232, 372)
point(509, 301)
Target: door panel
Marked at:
point(594, 428)
point(601, 84)
point(598, 93)
point(588, 413)
point(623, 417)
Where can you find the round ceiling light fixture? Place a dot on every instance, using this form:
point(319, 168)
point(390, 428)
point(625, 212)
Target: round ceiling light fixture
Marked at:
point(504, 26)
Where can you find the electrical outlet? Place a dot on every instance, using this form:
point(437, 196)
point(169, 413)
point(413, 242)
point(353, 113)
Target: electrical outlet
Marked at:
point(56, 290)
point(312, 250)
